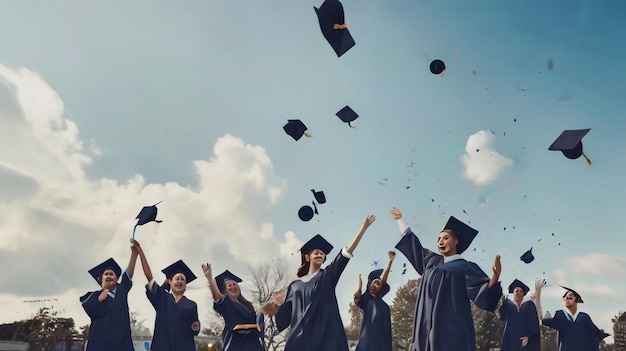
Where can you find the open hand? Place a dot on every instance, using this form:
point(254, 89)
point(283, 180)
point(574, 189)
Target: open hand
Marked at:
point(396, 213)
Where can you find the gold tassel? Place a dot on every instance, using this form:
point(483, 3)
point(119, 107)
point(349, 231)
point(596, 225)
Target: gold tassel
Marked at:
point(587, 159)
point(308, 135)
point(340, 26)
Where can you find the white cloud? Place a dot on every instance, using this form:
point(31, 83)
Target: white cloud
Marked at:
point(481, 163)
point(55, 223)
point(597, 264)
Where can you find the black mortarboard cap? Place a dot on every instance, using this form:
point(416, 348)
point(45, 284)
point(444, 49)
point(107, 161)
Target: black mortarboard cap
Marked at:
point(319, 196)
point(295, 128)
point(463, 232)
point(179, 267)
point(148, 214)
point(347, 115)
point(317, 242)
point(97, 271)
point(517, 283)
point(437, 67)
point(305, 213)
point(577, 295)
point(570, 143)
point(225, 276)
point(333, 26)
point(528, 257)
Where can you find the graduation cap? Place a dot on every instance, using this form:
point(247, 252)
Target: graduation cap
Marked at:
point(376, 274)
point(97, 271)
point(347, 115)
point(296, 129)
point(317, 242)
point(333, 26)
point(463, 233)
point(437, 67)
point(518, 284)
point(179, 267)
point(570, 144)
point(306, 212)
point(223, 278)
point(146, 215)
point(528, 257)
point(577, 295)
point(319, 196)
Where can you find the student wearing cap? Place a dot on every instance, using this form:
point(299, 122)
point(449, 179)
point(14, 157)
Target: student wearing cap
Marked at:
point(521, 331)
point(242, 331)
point(443, 317)
point(108, 307)
point(176, 322)
point(577, 331)
point(375, 333)
point(310, 307)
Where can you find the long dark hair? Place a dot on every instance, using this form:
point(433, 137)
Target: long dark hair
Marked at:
point(305, 265)
point(242, 300)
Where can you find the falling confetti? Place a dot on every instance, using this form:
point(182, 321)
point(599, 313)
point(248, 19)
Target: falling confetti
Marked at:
point(464, 211)
point(550, 64)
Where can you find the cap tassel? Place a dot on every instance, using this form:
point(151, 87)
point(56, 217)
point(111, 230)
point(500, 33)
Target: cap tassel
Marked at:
point(314, 207)
point(340, 26)
point(350, 125)
point(308, 135)
point(587, 159)
point(132, 240)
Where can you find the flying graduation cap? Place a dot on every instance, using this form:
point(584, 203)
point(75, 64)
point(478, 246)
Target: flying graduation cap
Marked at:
point(463, 233)
point(437, 67)
point(347, 115)
point(306, 212)
point(570, 144)
point(334, 29)
point(295, 128)
point(147, 214)
point(528, 257)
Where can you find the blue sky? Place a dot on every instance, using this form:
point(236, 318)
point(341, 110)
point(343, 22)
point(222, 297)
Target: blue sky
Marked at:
point(109, 107)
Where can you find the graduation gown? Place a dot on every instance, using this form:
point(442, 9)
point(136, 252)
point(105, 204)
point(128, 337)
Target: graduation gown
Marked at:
point(172, 326)
point(311, 309)
point(110, 319)
point(235, 313)
point(520, 323)
point(375, 333)
point(443, 317)
point(578, 335)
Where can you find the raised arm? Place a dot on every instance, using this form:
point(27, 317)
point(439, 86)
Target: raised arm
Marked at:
point(144, 262)
point(497, 269)
point(357, 238)
point(536, 297)
point(133, 260)
point(383, 278)
point(215, 291)
point(359, 292)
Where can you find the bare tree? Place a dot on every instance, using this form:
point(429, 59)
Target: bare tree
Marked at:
point(214, 324)
point(47, 328)
point(269, 281)
point(136, 325)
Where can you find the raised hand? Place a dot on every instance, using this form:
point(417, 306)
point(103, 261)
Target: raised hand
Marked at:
point(392, 255)
point(396, 213)
point(368, 221)
point(206, 269)
point(497, 267)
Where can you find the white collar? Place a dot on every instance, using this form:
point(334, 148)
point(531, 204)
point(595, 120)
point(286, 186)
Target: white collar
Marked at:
point(565, 310)
point(451, 258)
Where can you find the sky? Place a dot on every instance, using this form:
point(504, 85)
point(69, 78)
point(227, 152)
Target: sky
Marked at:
point(109, 107)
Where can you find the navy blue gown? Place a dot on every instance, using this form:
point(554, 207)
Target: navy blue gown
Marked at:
point(443, 316)
point(172, 326)
point(577, 335)
point(520, 323)
point(110, 319)
point(235, 313)
point(375, 333)
point(311, 309)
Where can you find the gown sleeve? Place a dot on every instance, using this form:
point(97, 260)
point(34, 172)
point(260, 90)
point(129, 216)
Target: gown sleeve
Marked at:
point(531, 323)
point(154, 294)
point(95, 309)
point(503, 311)
point(413, 250)
point(597, 334)
point(335, 268)
point(478, 290)
point(554, 322)
point(283, 317)
point(362, 303)
point(193, 317)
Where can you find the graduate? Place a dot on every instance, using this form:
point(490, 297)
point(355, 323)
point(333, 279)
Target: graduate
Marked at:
point(576, 330)
point(310, 307)
point(176, 322)
point(521, 331)
point(443, 317)
point(242, 329)
point(375, 333)
point(108, 307)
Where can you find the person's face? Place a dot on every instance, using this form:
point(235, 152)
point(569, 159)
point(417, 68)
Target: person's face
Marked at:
point(375, 286)
point(178, 284)
point(232, 289)
point(518, 294)
point(109, 279)
point(447, 244)
point(570, 299)
point(316, 257)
